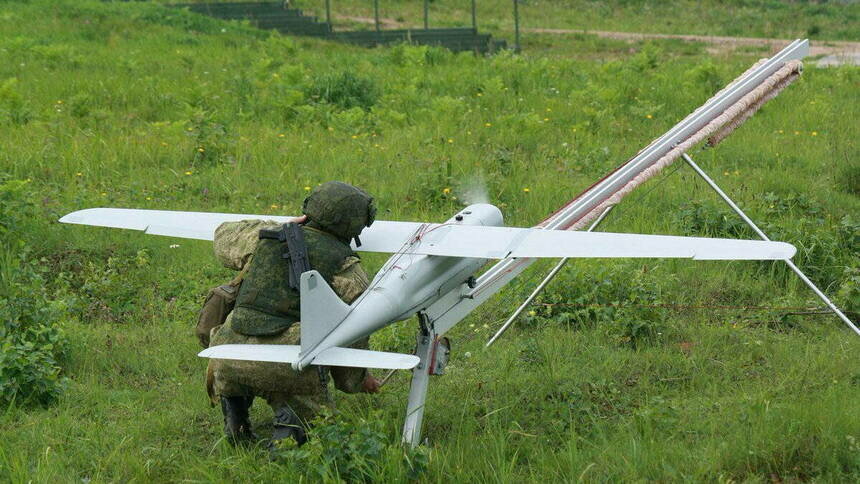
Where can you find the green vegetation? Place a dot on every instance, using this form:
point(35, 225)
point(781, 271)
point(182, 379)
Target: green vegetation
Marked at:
point(629, 370)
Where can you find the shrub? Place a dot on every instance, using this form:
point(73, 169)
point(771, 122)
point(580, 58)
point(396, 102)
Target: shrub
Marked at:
point(13, 108)
point(345, 90)
point(627, 301)
point(17, 210)
point(32, 342)
point(849, 179)
point(710, 220)
point(344, 450)
point(31, 339)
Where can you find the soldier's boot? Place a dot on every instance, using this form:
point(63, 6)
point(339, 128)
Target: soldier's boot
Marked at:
point(237, 423)
point(288, 425)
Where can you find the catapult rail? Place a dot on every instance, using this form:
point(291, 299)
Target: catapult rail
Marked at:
point(448, 311)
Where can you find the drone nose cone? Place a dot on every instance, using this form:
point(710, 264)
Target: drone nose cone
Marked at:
point(481, 214)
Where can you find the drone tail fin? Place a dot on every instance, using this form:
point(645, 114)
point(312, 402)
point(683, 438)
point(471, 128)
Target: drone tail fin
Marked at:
point(321, 312)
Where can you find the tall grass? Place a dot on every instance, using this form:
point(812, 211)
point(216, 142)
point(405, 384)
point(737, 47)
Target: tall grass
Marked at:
point(130, 105)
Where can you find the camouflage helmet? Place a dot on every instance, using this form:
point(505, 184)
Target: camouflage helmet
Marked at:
point(340, 209)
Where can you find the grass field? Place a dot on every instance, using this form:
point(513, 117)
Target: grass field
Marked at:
point(625, 371)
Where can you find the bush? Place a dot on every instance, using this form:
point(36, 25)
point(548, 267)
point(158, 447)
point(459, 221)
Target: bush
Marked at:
point(340, 450)
point(707, 219)
point(849, 179)
point(32, 342)
point(13, 108)
point(628, 302)
point(31, 339)
point(345, 90)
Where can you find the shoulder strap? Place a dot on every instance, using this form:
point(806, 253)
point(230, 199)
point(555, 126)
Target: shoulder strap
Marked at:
point(295, 250)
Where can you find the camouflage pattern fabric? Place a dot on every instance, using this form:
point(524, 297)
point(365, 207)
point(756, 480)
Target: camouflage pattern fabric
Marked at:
point(278, 383)
point(235, 242)
point(266, 304)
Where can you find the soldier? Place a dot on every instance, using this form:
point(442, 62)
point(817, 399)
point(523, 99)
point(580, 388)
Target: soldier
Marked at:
point(267, 311)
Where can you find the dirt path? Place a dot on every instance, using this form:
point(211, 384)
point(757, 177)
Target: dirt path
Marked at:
point(836, 52)
point(717, 43)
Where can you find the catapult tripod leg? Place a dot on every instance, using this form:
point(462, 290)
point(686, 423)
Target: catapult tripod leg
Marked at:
point(420, 382)
point(761, 234)
point(546, 280)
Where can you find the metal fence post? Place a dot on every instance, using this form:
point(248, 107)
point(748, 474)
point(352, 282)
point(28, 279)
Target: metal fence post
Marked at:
point(376, 13)
point(474, 17)
point(328, 12)
point(426, 14)
point(516, 26)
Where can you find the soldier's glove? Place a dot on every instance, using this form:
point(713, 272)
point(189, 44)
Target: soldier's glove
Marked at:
point(370, 384)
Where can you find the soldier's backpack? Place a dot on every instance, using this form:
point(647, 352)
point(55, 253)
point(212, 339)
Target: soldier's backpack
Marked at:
point(220, 301)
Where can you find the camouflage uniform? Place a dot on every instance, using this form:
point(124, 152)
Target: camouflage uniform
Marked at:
point(267, 310)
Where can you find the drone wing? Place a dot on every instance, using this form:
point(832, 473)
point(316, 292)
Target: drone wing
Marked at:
point(381, 237)
point(455, 240)
point(510, 242)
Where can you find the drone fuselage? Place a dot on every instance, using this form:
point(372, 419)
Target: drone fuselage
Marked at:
point(407, 284)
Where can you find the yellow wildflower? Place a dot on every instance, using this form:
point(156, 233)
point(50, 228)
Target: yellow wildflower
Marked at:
point(274, 205)
point(307, 189)
point(163, 143)
point(104, 194)
point(149, 198)
point(201, 150)
point(281, 135)
point(446, 190)
point(532, 313)
point(60, 101)
point(526, 189)
point(355, 136)
point(549, 110)
point(330, 128)
point(546, 119)
point(815, 133)
point(187, 172)
point(479, 94)
point(797, 133)
point(450, 140)
point(488, 124)
point(79, 174)
point(781, 131)
point(648, 116)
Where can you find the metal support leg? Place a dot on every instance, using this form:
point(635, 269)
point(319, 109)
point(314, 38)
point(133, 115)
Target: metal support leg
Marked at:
point(761, 234)
point(555, 270)
point(420, 382)
point(426, 14)
point(328, 12)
